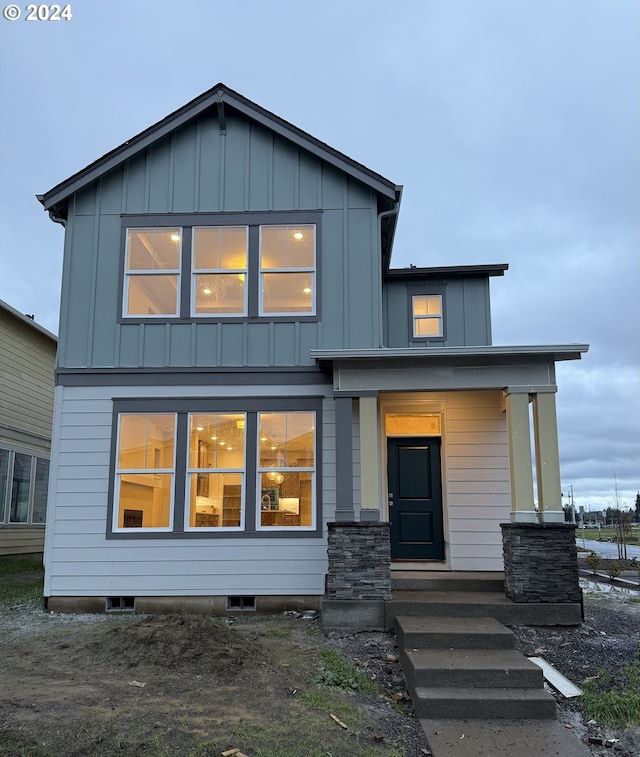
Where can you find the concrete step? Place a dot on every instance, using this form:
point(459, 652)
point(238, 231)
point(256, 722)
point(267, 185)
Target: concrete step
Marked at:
point(452, 633)
point(479, 605)
point(506, 738)
point(475, 703)
point(426, 580)
point(476, 668)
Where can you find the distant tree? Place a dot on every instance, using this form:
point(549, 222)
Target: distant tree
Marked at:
point(637, 508)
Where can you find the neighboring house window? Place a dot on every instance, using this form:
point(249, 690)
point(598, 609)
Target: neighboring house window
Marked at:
point(220, 270)
point(211, 472)
point(145, 471)
point(287, 269)
point(215, 470)
point(427, 317)
point(152, 272)
point(24, 479)
point(286, 469)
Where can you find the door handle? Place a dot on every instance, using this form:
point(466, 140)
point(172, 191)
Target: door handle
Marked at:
point(390, 499)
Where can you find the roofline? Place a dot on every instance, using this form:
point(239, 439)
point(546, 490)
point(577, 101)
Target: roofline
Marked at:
point(494, 269)
point(28, 321)
point(219, 94)
point(556, 351)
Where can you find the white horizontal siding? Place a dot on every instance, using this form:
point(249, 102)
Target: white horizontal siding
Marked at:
point(477, 490)
point(81, 561)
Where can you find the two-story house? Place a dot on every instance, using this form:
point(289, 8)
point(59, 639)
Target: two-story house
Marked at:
point(243, 377)
point(27, 361)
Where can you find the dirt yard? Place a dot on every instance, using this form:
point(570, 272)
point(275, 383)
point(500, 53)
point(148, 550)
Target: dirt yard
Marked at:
point(194, 686)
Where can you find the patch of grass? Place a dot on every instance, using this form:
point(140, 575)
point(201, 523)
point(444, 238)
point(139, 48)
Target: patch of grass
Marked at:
point(614, 698)
point(17, 595)
point(340, 673)
point(10, 566)
point(279, 632)
point(325, 700)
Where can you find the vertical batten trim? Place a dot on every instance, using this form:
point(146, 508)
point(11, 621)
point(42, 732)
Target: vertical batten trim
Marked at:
point(222, 199)
point(141, 336)
point(147, 181)
point(270, 177)
point(272, 345)
point(193, 352)
point(196, 172)
point(94, 274)
point(296, 181)
point(247, 167)
point(344, 459)
point(167, 344)
point(171, 188)
point(219, 344)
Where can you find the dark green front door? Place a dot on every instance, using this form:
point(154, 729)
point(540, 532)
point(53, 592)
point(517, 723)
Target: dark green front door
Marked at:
point(415, 498)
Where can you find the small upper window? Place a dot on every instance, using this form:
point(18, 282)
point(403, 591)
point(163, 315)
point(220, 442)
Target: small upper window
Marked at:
point(152, 272)
point(219, 270)
point(287, 269)
point(427, 315)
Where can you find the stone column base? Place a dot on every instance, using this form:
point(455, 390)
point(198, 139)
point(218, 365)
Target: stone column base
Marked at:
point(540, 562)
point(359, 561)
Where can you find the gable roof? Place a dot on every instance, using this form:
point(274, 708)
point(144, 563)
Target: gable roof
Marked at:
point(26, 320)
point(219, 97)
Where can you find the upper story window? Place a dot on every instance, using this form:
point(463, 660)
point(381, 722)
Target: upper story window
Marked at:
point(220, 270)
point(287, 269)
point(152, 272)
point(427, 317)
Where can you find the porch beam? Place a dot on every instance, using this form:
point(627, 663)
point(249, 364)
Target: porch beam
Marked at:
point(520, 461)
point(545, 429)
point(369, 457)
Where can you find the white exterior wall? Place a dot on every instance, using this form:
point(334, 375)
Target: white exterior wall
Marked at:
point(476, 490)
point(80, 561)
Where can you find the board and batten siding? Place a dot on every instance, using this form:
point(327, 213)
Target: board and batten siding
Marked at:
point(198, 168)
point(80, 561)
point(467, 317)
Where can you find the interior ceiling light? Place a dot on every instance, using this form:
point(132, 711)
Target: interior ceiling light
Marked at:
point(199, 428)
point(175, 237)
point(214, 438)
point(298, 235)
point(206, 291)
point(307, 290)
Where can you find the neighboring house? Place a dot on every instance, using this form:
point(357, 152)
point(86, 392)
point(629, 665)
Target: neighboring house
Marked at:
point(243, 378)
point(27, 362)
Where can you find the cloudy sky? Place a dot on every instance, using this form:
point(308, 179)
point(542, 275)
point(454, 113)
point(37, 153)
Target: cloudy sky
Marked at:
point(512, 124)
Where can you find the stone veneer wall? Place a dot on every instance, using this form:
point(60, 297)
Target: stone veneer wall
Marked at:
point(540, 562)
point(359, 561)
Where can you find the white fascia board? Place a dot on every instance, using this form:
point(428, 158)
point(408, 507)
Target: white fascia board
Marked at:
point(554, 351)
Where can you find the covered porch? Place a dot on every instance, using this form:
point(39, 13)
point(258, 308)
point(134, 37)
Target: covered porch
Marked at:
point(436, 456)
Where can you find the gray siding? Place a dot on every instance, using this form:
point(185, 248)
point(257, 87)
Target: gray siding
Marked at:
point(81, 562)
point(200, 169)
point(467, 311)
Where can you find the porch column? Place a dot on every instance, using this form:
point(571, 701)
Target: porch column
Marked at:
point(522, 507)
point(369, 459)
point(547, 458)
point(344, 459)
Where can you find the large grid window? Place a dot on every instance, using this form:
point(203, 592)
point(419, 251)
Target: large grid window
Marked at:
point(215, 471)
point(145, 469)
point(24, 479)
point(225, 270)
point(211, 471)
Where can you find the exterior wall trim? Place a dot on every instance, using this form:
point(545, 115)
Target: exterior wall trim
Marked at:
point(267, 376)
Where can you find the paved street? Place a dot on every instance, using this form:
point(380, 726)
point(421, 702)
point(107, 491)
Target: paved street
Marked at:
point(604, 548)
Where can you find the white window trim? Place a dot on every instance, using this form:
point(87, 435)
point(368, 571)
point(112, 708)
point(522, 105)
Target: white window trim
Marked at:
point(118, 472)
point(213, 271)
point(5, 514)
point(264, 271)
point(190, 471)
point(129, 273)
point(439, 317)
